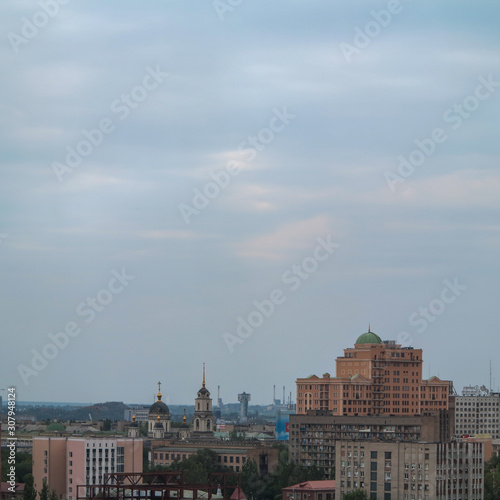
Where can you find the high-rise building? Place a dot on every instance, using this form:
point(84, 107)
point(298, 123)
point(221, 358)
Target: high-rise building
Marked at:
point(411, 470)
point(314, 437)
point(374, 378)
point(65, 462)
point(478, 414)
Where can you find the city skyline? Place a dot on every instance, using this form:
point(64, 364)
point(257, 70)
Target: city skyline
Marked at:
point(247, 186)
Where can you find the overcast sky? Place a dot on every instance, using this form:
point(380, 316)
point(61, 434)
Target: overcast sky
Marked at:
point(169, 168)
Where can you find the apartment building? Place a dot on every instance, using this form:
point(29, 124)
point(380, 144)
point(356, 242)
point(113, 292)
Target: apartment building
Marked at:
point(411, 470)
point(374, 378)
point(65, 462)
point(313, 437)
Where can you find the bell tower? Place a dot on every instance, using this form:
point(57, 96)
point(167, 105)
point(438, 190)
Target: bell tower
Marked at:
point(203, 420)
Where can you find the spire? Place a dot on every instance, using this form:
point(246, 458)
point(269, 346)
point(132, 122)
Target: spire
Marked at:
point(133, 418)
point(203, 375)
point(159, 392)
point(184, 418)
point(369, 331)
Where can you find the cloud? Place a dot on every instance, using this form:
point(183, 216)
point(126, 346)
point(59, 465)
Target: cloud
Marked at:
point(287, 240)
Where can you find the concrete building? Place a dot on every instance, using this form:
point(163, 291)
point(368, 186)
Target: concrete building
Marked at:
point(232, 455)
point(410, 470)
point(244, 398)
point(374, 378)
point(310, 490)
point(65, 462)
point(313, 437)
point(478, 414)
point(141, 414)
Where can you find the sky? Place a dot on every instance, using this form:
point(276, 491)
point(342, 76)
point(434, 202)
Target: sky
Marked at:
point(248, 185)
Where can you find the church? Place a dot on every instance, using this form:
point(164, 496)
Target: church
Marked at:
point(159, 419)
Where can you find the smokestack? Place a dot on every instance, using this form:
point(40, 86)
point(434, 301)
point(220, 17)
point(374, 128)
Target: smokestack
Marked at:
point(218, 392)
point(283, 401)
point(274, 395)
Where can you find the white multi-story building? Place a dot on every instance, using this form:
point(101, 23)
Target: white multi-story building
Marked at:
point(478, 414)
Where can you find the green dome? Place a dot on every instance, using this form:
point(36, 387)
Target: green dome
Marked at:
point(56, 427)
point(369, 338)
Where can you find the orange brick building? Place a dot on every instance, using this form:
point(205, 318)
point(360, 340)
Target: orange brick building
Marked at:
point(374, 378)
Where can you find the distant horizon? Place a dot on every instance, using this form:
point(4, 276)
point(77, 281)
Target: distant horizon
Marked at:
point(64, 403)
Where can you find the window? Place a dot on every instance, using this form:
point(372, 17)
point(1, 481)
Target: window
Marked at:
point(373, 454)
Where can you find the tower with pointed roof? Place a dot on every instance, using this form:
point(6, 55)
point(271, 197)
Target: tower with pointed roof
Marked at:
point(203, 420)
point(133, 430)
point(184, 430)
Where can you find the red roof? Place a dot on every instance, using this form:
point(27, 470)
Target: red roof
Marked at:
point(313, 485)
point(238, 494)
point(6, 486)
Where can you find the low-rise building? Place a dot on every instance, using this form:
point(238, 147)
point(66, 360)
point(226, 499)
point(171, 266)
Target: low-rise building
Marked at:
point(232, 455)
point(310, 490)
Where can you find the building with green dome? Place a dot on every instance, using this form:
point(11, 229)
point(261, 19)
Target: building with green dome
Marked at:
point(375, 377)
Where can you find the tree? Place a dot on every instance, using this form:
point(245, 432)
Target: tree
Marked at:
point(251, 482)
point(29, 492)
point(356, 495)
point(492, 479)
point(44, 492)
point(106, 424)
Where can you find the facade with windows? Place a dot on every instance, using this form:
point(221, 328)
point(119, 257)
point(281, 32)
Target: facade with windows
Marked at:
point(314, 437)
point(478, 415)
point(411, 471)
point(374, 378)
point(65, 462)
point(310, 490)
point(229, 455)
